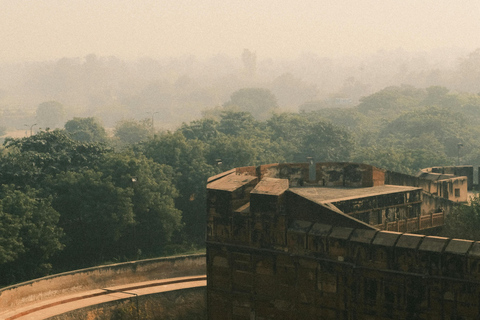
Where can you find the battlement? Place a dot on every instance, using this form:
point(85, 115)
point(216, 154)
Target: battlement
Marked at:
point(330, 240)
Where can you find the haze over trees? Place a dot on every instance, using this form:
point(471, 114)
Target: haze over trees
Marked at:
point(50, 114)
point(120, 188)
point(179, 89)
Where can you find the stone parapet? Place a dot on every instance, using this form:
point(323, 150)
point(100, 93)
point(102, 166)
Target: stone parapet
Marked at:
point(99, 277)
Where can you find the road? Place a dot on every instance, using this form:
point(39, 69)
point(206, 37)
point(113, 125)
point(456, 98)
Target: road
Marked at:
point(49, 308)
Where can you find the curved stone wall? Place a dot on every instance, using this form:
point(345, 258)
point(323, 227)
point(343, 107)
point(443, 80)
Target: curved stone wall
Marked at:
point(182, 304)
point(62, 284)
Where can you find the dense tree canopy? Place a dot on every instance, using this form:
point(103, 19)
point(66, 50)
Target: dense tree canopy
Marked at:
point(29, 234)
point(80, 204)
point(28, 161)
point(464, 221)
point(75, 197)
point(131, 131)
point(86, 130)
point(259, 102)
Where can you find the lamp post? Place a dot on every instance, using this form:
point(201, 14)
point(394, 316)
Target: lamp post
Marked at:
point(31, 128)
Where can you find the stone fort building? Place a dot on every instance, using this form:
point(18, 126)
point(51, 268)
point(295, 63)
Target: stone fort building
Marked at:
point(338, 241)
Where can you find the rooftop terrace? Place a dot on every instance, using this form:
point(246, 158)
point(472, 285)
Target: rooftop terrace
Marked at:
point(333, 194)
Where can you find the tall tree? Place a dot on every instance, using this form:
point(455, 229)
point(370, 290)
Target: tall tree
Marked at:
point(259, 102)
point(131, 131)
point(153, 199)
point(29, 234)
point(28, 161)
point(94, 214)
point(327, 142)
point(187, 158)
point(50, 114)
point(86, 129)
point(464, 221)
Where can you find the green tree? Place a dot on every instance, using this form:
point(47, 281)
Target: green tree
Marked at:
point(132, 131)
point(204, 130)
point(237, 123)
point(290, 128)
point(94, 213)
point(308, 135)
point(464, 221)
point(400, 159)
point(232, 151)
point(259, 102)
point(153, 200)
point(446, 126)
point(28, 161)
point(187, 158)
point(86, 129)
point(110, 205)
point(390, 101)
point(29, 235)
point(327, 142)
point(50, 114)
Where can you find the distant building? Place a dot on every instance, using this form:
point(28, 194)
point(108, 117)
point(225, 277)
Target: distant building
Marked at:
point(330, 241)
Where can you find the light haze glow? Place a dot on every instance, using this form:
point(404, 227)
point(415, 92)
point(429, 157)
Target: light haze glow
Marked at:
point(51, 29)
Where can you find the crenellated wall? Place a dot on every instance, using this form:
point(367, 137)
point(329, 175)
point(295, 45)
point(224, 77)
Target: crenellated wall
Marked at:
point(281, 245)
point(343, 273)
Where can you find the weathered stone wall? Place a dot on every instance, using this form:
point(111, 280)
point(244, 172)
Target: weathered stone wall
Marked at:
point(185, 304)
point(401, 179)
point(381, 208)
point(329, 174)
point(342, 273)
point(100, 277)
point(433, 204)
point(448, 186)
point(279, 255)
point(458, 171)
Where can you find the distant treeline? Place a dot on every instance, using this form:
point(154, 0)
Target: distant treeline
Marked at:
point(179, 89)
point(79, 196)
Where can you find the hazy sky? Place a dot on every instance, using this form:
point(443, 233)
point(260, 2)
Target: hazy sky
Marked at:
point(51, 29)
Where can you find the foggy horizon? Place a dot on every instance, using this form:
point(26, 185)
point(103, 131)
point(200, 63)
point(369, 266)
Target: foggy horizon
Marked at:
point(53, 29)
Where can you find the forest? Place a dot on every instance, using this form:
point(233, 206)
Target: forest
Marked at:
point(178, 89)
point(79, 196)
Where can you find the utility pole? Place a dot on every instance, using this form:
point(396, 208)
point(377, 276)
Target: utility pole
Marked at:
point(458, 153)
point(153, 122)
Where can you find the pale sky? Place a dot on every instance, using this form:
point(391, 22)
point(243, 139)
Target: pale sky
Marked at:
point(129, 29)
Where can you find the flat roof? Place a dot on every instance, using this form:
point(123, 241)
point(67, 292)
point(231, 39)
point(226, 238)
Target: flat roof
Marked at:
point(271, 186)
point(230, 182)
point(333, 194)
